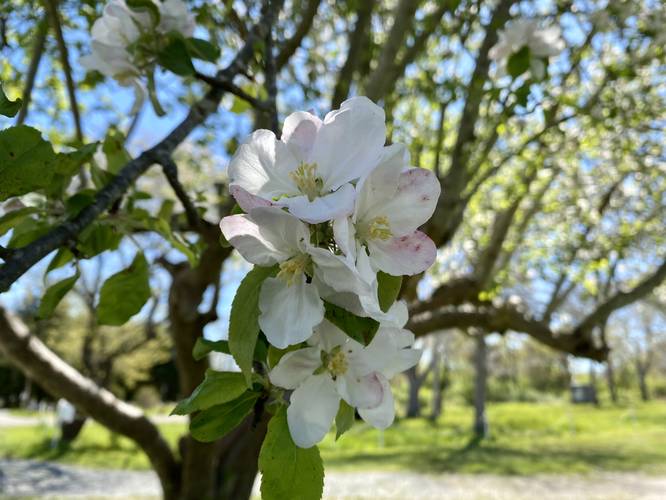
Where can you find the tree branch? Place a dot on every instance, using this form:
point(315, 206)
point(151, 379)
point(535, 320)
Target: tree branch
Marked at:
point(24, 258)
point(290, 46)
point(37, 51)
point(61, 380)
point(171, 173)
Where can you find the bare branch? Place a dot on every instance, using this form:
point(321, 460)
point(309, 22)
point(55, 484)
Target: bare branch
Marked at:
point(60, 379)
point(290, 46)
point(270, 72)
point(37, 51)
point(171, 173)
point(228, 86)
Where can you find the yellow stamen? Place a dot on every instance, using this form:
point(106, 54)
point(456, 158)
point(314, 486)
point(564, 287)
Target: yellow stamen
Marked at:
point(379, 228)
point(337, 363)
point(292, 269)
point(305, 177)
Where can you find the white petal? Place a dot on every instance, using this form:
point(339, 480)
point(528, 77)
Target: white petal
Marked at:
point(245, 236)
point(389, 354)
point(312, 409)
point(349, 143)
point(294, 367)
point(410, 254)
point(336, 272)
point(289, 312)
point(261, 166)
point(246, 200)
point(283, 230)
point(383, 415)
point(300, 131)
point(330, 336)
point(412, 204)
point(344, 234)
point(360, 391)
point(332, 206)
point(382, 183)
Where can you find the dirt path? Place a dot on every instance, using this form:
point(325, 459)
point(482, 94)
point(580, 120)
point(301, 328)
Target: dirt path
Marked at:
point(22, 478)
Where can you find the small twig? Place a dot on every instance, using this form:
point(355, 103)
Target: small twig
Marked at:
point(269, 73)
point(171, 172)
point(226, 85)
point(37, 51)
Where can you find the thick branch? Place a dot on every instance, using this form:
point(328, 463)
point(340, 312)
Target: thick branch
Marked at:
point(61, 380)
point(290, 46)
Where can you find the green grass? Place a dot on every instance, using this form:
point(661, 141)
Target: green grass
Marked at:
point(525, 439)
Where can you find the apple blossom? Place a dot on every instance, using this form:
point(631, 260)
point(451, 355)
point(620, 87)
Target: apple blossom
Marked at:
point(310, 169)
point(392, 202)
point(335, 367)
point(543, 42)
point(290, 304)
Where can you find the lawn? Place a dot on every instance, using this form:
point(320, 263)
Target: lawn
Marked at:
point(526, 438)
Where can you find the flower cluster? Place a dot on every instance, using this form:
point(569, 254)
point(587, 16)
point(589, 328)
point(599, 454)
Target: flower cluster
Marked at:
point(542, 42)
point(331, 206)
point(125, 40)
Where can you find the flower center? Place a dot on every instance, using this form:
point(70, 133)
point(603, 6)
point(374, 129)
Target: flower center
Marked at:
point(306, 180)
point(337, 362)
point(379, 228)
point(292, 269)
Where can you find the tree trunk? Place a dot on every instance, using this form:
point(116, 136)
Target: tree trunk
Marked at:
point(437, 383)
point(413, 404)
point(69, 431)
point(642, 381)
point(480, 386)
point(610, 380)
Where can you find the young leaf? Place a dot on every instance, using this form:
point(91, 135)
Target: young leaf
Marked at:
point(344, 419)
point(7, 107)
point(518, 62)
point(215, 422)
point(203, 347)
point(217, 388)
point(275, 354)
point(62, 257)
point(388, 289)
point(26, 161)
point(113, 148)
point(288, 471)
point(124, 294)
point(243, 319)
point(145, 6)
point(11, 219)
point(54, 295)
point(360, 329)
point(176, 58)
point(202, 49)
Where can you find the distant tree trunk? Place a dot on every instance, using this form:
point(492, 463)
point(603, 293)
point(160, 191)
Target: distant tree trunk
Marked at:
point(69, 431)
point(642, 371)
point(610, 380)
point(480, 386)
point(438, 385)
point(415, 382)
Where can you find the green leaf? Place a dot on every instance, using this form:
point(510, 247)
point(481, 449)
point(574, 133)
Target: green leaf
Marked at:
point(54, 295)
point(215, 422)
point(145, 6)
point(11, 219)
point(204, 347)
point(344, 419)
point(522, 94)
point(124, 294)
point(518, 62)
point(97, 238)
point(7, 107)
point(26, 161)
point(202, 49)
point(388, 289)
point(27, 231)
point(176, 58)
point(275, 354)
point(68, 164)
point(243, 319)
point(360, 329)
point(217, 388)
point(288, 471)
point(113, 148)
point(62, 257)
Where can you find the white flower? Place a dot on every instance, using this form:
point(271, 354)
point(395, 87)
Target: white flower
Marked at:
point(311, 168)
point(175, 17)
point(336, 367)
point(391, 203)
point(542, 42)
point(290, 304)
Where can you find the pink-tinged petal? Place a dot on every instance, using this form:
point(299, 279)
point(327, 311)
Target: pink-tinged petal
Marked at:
point(300, 131)
point(246, 200)
point(313, 406)
point(288, 313)
point(294, 367)
point(350, 142)
point(381, 416)
point(323, 208)
point(412, 204)
point(245, 236)
point(360, 391)
point(410, 254)
point(261, 166)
